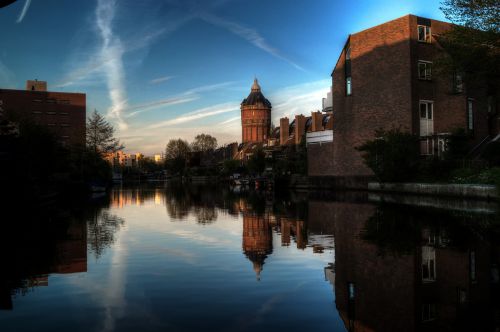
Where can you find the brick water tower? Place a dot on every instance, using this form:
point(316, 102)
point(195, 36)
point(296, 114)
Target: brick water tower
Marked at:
point(255, 116)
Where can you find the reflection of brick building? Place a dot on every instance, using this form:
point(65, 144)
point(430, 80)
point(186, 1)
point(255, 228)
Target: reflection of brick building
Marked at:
point(255, 116)
point(295, 228)
point(257, 239)
point(69, 256)
point(384, 79)
point(432, 288)
point(62, 113)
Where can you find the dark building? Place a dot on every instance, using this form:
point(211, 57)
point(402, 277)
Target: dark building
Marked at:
point(255, 116)
point(62, 113)
point(391, 275)
point(384, 78)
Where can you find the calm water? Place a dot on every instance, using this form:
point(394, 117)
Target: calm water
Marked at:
point(211, 259)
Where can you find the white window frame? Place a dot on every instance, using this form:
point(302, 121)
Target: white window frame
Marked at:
point(458, 82)
point(348, 86)
point(428, 263)
point(470, 114)
point(427, 34)
point(427, 70)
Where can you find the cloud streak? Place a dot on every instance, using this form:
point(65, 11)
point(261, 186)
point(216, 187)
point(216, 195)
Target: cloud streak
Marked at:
point(24, 11)
point(112, 49)
point(138, 109)
point(160, 79)
point(199, 114)
point(250, 35)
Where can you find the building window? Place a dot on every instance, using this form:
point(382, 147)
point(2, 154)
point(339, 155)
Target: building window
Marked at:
point(470, 115)
point(64, 125)
point(461, 296)
point(51, 101)
point(348, 86)
point(37, 112)
point(348, 52)
point(51, 113)
point(63, 113)
point(51, 124)
point(472, 264)
point(351, 291)
point(424, 33)
point(63, 101)
point(428, 264)
point(428, 312)
point(424, 70)
point(37, 100)
point(458, 82)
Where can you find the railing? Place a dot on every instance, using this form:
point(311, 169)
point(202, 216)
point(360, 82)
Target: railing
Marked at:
point(318, 137)
point(434, 145)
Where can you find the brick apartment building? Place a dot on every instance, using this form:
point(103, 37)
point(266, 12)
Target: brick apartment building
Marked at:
point(62, 113)
point(384, 78)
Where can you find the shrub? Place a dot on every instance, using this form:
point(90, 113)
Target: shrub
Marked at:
point(491, 153)
point(393, 155)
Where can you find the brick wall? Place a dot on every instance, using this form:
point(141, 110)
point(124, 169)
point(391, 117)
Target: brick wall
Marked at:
point(62, 113)
point(381, 92)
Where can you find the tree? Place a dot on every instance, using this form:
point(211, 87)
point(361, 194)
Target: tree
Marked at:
point(473, 44)
point(99, 135)
point(393, 155)
point(257, 162)
point(176, 155)
point(204, 143)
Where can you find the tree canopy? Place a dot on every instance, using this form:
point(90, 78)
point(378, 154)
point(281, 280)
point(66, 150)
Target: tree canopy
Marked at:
point(100, 135)
point(203, 143)
point(474, 42)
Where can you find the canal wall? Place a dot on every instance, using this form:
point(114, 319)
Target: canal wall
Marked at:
point(480, 191)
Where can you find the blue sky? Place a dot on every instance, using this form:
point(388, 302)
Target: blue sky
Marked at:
point(162, 69)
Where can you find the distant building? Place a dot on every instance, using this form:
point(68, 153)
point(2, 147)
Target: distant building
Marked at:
point(384, 78)
point(255, 116)
point(122, 159)
point(158, 158)
point(62, 113)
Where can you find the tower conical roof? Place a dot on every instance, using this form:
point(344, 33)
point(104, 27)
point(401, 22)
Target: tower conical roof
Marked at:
point(256, 97)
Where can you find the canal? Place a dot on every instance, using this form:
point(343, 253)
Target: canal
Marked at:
point(194, 258)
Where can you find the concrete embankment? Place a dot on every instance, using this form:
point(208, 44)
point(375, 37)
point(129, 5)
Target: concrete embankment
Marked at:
point(479, 191)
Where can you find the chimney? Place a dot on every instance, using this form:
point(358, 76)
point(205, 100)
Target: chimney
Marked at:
point(300, 126)
point(36, 85)
point(317, 119)
point(284, 127)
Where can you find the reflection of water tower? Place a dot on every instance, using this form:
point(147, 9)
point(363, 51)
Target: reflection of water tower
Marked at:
point(257, 240)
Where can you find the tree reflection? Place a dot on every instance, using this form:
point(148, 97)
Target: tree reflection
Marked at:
point(101, 230)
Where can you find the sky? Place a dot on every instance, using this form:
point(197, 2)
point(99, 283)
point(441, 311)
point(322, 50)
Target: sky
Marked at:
point(165, 69)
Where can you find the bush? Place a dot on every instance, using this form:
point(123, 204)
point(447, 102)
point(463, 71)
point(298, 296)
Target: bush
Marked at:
point(492, 153)
point(468, 175)
point(393, 155)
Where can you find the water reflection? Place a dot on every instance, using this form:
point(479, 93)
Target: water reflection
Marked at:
point(411, 269)
point(391, 267)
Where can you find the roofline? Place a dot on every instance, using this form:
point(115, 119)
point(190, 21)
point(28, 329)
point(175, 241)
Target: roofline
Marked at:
point(31, 91)
point(375, 26)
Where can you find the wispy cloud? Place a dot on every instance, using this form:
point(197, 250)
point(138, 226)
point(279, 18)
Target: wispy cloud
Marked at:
point(250, 35)
point(138, 109)
point(198, 114)
point(24, 11)
point(6, 76)
point(112, 49)
point(298, 99)
point(228, 121)
point(160, 79)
